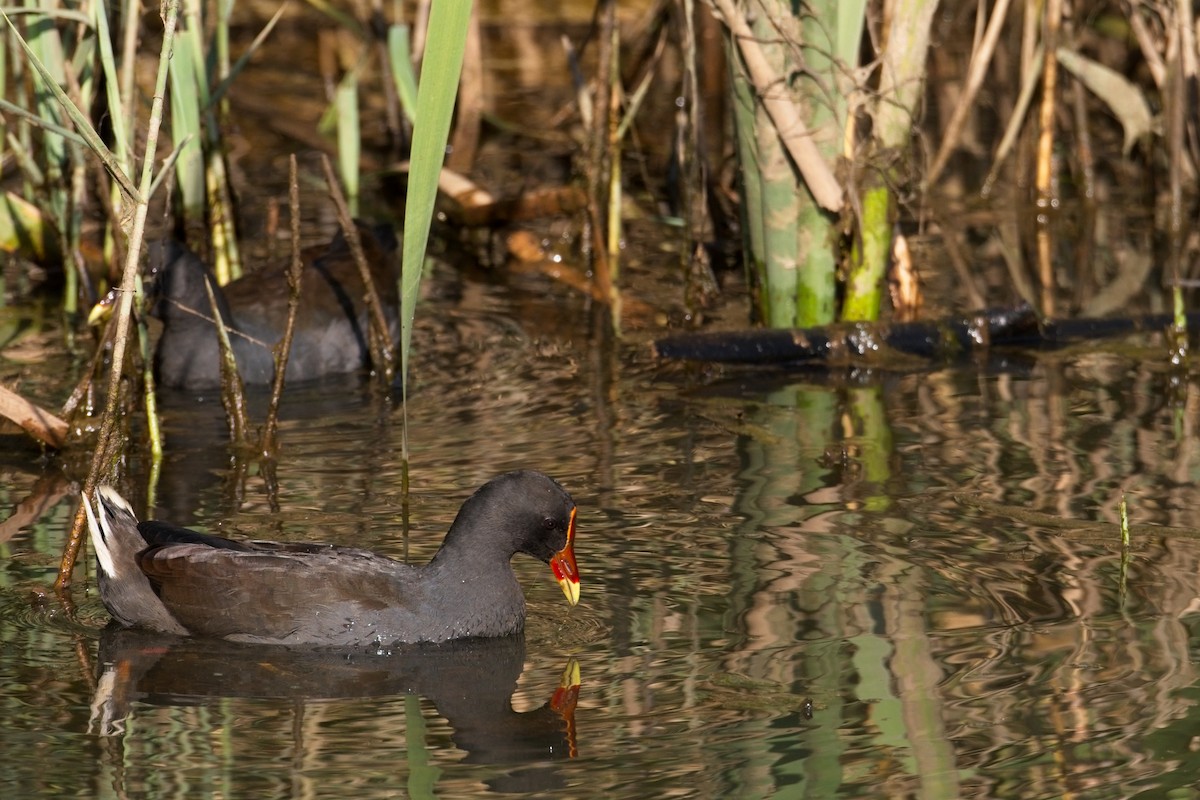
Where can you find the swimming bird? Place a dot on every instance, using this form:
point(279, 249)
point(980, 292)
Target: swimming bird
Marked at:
point(162, 577)
point(332, 322)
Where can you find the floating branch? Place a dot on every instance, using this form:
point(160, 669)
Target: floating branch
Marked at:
point(881, 343)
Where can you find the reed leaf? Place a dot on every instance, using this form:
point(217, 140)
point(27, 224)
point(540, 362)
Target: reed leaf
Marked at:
point(82, 125)
point(25, 230)
point(440, 70)
point(400, 56)
point(54, 13)
point(46, 44)
point(186, 71)
point(29, 116)
point(349, 136)
point(218, 93)
point(112, 83)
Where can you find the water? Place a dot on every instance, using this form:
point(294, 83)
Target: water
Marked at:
point(795, 584)
point(802, 584)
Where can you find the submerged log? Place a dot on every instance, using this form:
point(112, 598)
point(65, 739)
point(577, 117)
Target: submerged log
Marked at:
point(890, 344)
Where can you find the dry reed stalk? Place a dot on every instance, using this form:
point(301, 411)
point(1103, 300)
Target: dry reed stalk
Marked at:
point(980, 60)
point(1044, 179)
point(106, 444)
point(382, 357)
point(284, 348)
point(468, 119)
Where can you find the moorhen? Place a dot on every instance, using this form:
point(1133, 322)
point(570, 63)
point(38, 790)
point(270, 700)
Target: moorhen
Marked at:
point(332, 321)
point(161, 577)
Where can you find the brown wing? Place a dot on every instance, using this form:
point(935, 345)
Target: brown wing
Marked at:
point(280, 593)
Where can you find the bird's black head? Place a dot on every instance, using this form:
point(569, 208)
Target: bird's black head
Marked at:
point(525, 509)
point(521, 512)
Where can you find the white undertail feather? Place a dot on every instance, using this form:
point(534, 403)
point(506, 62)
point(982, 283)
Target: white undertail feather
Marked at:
point(100, 530)
point(114, 499)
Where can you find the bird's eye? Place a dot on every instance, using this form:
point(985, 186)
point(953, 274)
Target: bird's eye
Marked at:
point(549, 524)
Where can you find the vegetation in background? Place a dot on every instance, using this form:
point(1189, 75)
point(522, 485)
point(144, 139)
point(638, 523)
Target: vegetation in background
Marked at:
point(803, 451)
point(835, 129)
point(109, 443)
point(55, 144)
point(788, 133)
point(830, 109)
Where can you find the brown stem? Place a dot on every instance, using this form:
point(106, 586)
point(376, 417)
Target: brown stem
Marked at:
point(233, 395)
point(976, 72)
point(381, 341)
point(598, 153)
point(1044, 181)
point(469, 107)
point(284, 348)
point(106, 444)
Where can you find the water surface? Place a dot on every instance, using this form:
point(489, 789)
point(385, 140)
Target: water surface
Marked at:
point(799, 584)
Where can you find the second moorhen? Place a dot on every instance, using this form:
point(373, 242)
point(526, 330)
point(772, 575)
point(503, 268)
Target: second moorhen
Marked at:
point(332, 322)
point(161, 577)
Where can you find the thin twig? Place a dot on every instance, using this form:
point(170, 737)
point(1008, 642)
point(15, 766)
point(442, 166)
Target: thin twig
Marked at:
point(381, 340)
point(153, 428)
point(612, 75)
point(1020, 108)
point(233, 395)
point(1148, 43)
point(599, 156)
point(469, 106)
point(284, 348)
point(106, 444)
point(976, 72)
point(1045, 153)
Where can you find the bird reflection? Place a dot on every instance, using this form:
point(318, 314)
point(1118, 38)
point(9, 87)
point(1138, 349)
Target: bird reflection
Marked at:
point(470, 682)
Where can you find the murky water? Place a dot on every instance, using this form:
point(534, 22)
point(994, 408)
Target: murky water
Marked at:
point(802, 584)
point(794, 584)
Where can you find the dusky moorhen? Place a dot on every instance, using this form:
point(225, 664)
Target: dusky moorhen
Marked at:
point(165, 578)
point(332, 322)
